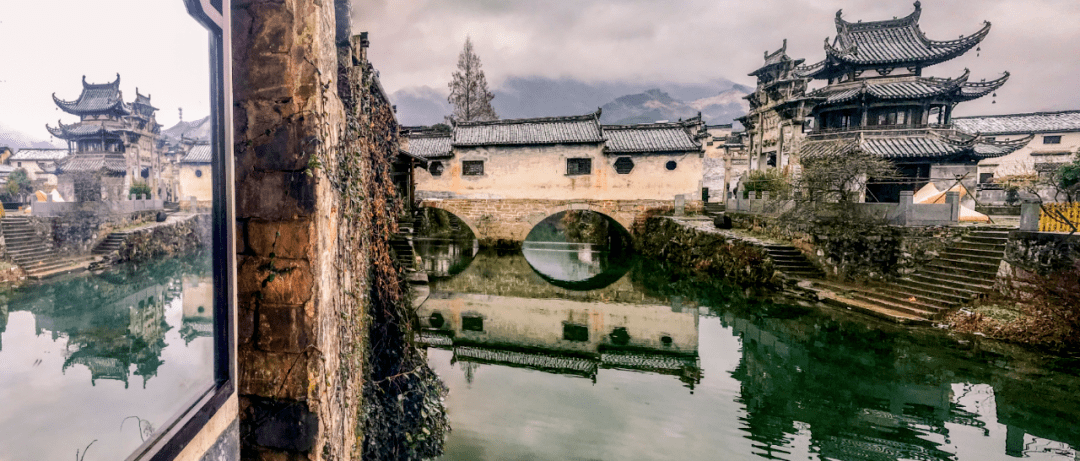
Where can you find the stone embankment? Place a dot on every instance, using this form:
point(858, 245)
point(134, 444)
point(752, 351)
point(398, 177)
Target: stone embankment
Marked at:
point(690, 243)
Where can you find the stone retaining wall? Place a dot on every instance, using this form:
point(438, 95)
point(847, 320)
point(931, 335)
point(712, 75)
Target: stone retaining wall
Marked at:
point(1040, 253)
point(78, 232)
point(166, 239)
point(661, 238)
point(863, 253)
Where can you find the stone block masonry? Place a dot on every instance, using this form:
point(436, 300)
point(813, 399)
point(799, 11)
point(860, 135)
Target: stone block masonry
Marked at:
point(512, 219)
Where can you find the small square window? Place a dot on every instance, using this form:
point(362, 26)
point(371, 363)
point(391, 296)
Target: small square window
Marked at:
point(472, 168)
point(472, 323)
point(576, 166)
point(985, 178)
point(1051, 139)
point(575, 332)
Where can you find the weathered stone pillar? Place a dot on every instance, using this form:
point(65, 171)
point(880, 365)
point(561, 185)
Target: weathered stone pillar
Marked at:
point(1029, 216)
point(299, 371)
point(906, 208)
point(953, 199)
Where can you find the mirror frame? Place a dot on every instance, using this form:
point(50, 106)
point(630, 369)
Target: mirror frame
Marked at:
point(177, 432)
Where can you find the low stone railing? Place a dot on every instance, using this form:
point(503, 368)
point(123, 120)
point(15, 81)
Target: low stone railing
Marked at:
point(53, 209)
point(904, 213)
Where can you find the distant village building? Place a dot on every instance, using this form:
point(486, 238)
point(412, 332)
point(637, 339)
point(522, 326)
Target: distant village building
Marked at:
point(193, 175)
point(40, 164)
point(561, 158)
point(1054, 140)
point(875, 100)
point(725, 161)
point(112, 145)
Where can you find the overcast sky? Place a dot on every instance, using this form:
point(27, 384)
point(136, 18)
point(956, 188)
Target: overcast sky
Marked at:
point(46, 46)
point(416, 42)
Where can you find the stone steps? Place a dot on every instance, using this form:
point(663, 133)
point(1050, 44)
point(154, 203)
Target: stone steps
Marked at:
point(962, 273)
point(111, 243)
point(790, 261)
point(36, 257)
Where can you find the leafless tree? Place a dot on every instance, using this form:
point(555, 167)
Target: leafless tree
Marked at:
point(468, 89)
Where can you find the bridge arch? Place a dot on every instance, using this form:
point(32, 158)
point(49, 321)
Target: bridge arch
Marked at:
point(513, 219)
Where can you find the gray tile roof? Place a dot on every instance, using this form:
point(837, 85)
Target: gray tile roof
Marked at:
point(653, 137)
point(89, 163)
point(895, 41)
point(96, 98)
point(199, 153)
point(77, 130)
point(957, 89)
point(1038, 122)
point(430, 146)
point(548, 130)
point(889, 43)
point(909, 146)
point(38, 155)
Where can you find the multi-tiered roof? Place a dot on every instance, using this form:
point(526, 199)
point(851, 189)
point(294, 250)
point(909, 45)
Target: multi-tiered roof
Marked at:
point(106, 126)
point(887, 45)
point(878, 101)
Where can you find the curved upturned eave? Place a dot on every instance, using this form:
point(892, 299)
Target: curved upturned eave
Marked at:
point(975, 90)
point(938, 51)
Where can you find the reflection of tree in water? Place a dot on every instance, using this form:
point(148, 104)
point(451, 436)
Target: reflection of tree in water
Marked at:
point(115, 319)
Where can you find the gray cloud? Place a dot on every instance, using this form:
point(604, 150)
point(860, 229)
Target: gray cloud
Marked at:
point(416, 42)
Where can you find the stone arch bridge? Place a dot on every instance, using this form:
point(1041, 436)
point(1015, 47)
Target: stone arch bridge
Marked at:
point(512, 219)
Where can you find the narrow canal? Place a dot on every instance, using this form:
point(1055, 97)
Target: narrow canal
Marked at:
point(566, 352)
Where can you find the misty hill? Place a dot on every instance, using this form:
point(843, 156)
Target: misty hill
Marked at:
point(719, 100)
point(198, 130)
point(9, 137)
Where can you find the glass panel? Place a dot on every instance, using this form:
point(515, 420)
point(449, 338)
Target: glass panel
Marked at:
point(107, 298)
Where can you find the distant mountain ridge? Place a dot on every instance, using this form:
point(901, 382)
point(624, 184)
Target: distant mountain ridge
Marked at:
point(10, 137)
point(719, 100)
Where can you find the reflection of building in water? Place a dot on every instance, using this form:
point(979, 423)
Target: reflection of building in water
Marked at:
point(564, 336)
point(3, 323)
point(108, 345)
point(197, 308)
point(443, 257)
point(880, 399)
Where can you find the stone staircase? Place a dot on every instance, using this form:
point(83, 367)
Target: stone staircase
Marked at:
point(960, 274)
point(111, 243)
point(36, 257)
point(790, 261)
point(714, 208)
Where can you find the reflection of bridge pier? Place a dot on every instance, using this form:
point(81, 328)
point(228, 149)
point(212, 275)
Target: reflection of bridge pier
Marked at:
point(563, 336)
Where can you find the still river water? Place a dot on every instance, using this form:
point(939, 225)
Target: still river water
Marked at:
point(557, 354)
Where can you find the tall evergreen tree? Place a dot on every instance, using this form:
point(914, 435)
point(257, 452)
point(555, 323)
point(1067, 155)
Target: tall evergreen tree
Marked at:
point(468, 89)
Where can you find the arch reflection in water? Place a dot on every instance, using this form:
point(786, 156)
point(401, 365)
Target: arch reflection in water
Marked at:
point(578, 250)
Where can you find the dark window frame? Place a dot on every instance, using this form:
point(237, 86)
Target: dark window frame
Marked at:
point(578, 166)
point(435, 168)
point(465, 170)
point(623, 165)
point(1055, 139)
point(178, 431)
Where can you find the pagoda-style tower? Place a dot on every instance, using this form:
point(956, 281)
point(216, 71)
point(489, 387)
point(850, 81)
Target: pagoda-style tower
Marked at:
point(112, 144)
point(777, 109)
point(876, 100)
